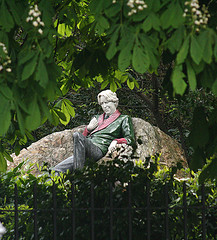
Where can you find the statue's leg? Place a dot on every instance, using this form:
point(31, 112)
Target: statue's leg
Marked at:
point(84, 149)
point(65, 165)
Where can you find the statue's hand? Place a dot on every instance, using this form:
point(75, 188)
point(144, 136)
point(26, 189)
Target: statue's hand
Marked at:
point(92, 124)
point(112, 146)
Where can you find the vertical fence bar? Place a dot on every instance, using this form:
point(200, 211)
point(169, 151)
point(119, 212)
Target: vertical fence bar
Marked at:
point(54, 212)
point(166, 212)
point(203, 213)
point(130, 210)
point(92, 211)
point(73, 212)
point(111, 211)
point(35, 209)
point(16, 212)
point(148, 211)
point(185, 211)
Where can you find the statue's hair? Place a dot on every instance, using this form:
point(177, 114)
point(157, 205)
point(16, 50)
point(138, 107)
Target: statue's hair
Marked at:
point(109, 95)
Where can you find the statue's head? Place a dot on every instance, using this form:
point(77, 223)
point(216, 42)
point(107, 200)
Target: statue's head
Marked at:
point(108, 101)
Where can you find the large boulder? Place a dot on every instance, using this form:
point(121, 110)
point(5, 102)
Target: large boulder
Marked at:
point(58, 146)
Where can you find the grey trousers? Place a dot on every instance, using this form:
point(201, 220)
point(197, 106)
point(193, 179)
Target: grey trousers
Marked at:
point(84, 150)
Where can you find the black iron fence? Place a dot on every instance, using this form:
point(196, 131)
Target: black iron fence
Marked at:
point(131, 214)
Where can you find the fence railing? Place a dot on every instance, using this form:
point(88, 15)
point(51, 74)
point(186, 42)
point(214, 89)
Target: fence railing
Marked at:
point(143, 217)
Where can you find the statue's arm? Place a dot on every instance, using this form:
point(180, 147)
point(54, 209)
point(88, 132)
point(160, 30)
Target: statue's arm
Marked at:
point(91, 126)
point(128, 136)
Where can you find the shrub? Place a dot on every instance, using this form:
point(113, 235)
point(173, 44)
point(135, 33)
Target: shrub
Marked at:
point(117, 192)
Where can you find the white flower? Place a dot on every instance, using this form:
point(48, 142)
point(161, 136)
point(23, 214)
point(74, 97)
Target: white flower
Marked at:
point(40, 31)
point(140, 8)
point(31, 12)
point(145, 6)
point(197, 22)
point(36, 8)
point(1, 67)
point(35, 23)
point(42, 24)
point(36, 14)
point(38, 19)
point(8, 69)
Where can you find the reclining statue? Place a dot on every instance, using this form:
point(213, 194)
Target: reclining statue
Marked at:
point(101, 135)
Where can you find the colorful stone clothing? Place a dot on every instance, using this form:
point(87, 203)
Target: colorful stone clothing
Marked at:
point(117, 127)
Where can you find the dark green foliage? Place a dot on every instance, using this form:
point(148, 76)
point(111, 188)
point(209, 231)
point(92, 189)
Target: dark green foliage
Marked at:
point(116, 180)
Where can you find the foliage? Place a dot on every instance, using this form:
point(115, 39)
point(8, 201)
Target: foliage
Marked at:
point(113, 180)
point(49, 48)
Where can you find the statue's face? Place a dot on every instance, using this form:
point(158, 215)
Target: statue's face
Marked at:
point(108, 107)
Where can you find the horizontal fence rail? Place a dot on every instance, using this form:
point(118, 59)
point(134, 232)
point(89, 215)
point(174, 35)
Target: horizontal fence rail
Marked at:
point(111, 211)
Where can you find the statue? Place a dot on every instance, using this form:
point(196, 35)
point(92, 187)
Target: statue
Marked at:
point(101, 135)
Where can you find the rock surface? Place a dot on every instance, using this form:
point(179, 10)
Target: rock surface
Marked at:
point(58, 146)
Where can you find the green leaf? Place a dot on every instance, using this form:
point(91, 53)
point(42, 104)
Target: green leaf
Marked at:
point(4, 39)
point(130, 84)
point(29, 67)
point(20, 119)
point(113, 86)
point(102, 24)
point(191, 76)
point(33, 120)
point(172, 16)
point(179, 84)
point(55, 118)
point(196, 50)
point(152, 21)
point(17, 13)
point(147, 24)
point(209, 172)
point(215, 49)
point(113, 10)
point(199, 135)
point(5, 114)
point(214, 87)
point(41, 73)
point(182, 54)
point(6, 91)
point(45, 109)
point(7, 156)
point(6, 20)
point(205, 41)
point(3, 163)
point(69, 107)
point(124, 58)
point(25, 55)
point(112, 50)
point(104, 84)
point(64, 110)
point(174, 43)
point(140, 59)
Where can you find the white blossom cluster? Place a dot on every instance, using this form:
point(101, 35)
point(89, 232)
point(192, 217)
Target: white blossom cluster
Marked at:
point(135, 5)
point(34, 17)
point(4, 60)
point(199, 17)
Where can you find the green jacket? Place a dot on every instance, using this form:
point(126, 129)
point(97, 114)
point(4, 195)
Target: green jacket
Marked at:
point(117, 127)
